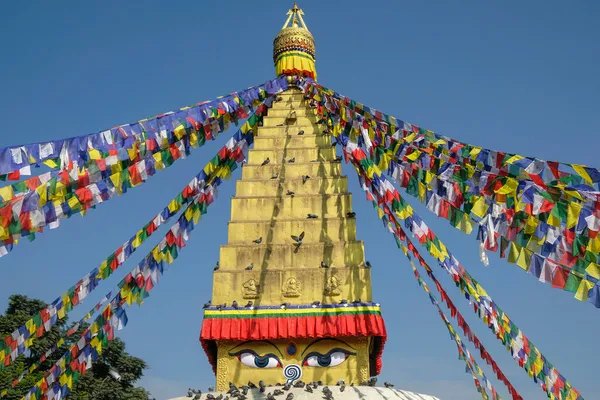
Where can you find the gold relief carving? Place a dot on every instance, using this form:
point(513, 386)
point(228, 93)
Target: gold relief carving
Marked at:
point(291, 288)
point(223, 366)
point(250, 289)
point(332, 288)
point(363, 375)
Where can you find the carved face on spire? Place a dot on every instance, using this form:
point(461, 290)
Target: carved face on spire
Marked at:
point(294, 47)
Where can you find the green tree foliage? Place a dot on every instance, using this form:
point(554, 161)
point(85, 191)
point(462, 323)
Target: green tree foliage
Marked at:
point(96, 384)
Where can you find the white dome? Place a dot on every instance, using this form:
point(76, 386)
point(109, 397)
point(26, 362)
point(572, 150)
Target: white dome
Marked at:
point(350, 393)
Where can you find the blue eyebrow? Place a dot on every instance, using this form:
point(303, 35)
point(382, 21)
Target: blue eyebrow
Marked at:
point(318, 340)
point(259, 341)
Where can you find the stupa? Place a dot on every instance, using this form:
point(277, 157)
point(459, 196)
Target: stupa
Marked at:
point(292, 299)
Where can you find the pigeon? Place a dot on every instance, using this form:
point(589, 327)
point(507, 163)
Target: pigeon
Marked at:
point(290, 193)
point(298, 239)
point(316, 303)
point(327, 391)
point(270, 396)
point(292, 160)
point(301, 133)
point(232, 388)
point(352, 384)
point(367, 264)
point(220, 397)
point(258, 241)
point(323, 265)
point(388, 385)
point(342, 387)
point(217, 266)
point(340, 382)
point(279, 98)
point(287, 386)
point(220, 307)
point(338, 159)
point(197, 397)
point(372, 381)
point(209, 396)
point(357, 301)
point(312, 216)
point(248, 305)
point(299, 384)
point(277, 392)
point(308, 389)
point(235, 305)
point(275, 175)
point(334, 143)
point(211, 389)
point(305, 178)
point(290, 396)
point(267, 160)
point(241, 397)
point(350, 214)
point(206, 305)
point(343, 301)
point(245, 390)
point(249, 267)
point(262, 386)
point(250, 384)
point(190, 393)
point(285, 305)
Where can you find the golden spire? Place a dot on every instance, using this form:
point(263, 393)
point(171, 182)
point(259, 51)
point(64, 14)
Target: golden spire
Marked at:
point(294, 46)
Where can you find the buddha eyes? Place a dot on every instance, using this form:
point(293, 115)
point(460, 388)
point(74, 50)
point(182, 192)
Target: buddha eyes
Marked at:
point(332, 359)
point(250, 359)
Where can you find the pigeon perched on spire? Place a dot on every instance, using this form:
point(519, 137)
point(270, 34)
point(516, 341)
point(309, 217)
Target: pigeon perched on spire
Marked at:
point(275, 175)
point(290, 193)
point(312, 216)
point(217, 266)
point(298, 239)
point(267, 160)
point(301, 132)
point(292, 160)
point(368, 264)
point(324, 265)
point(249, 304)
point(350, 214)
point(305, 178)
point(235, 305)
point(249, 267)
point(206, 305)
point(258, 241)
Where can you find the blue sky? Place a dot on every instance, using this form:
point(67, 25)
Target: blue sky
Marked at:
point(513, 76)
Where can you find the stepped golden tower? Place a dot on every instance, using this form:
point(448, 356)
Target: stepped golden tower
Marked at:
point(292, 295)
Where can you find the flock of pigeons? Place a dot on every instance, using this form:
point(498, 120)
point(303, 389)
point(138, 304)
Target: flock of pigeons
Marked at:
point(241, 393)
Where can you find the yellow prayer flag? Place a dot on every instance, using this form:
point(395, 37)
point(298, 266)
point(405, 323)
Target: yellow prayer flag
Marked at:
point(479, 206)
point(95, 154)
point(74, 203)
point(513, 253)
point(439, 142)
point(582, 172)
point(509, 187)
point(573, 211)
point(524, 259)
point(422, 192)
point(513, 159)
point(594, 245)
point(410, 138)
point(51, 163)
point(43, 193)
point(583, 290)
point(594, 270)
point(179, 132)
point(116, 180)
point(7, 193)
point(414, 155)
point(474, 151)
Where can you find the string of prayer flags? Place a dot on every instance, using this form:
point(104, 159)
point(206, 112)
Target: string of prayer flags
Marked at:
point(491, 158)
point(522, 349)
point(463, 352)
point(44, 200)
point(207, 117)
point(70, 332)
point(204, 184)
point(540, 238)
point(134, 288)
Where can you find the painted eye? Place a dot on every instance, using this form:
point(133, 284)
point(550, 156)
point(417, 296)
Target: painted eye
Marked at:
point(331, 359)
point(255, 361)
